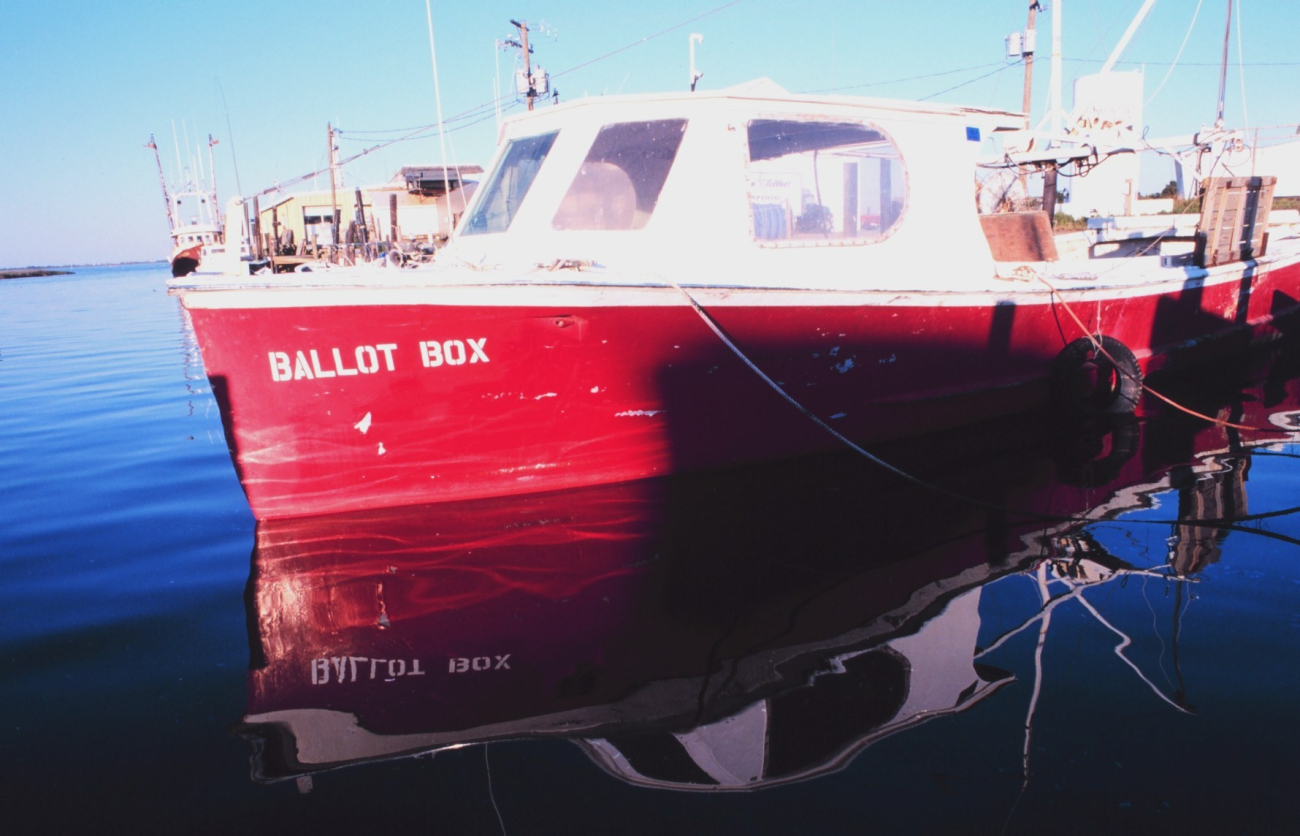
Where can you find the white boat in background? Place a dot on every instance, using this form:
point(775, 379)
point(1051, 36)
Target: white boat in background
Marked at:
point(196, 224)
point(192, 217)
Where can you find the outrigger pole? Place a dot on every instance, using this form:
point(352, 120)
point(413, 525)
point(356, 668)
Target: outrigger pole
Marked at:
point(171, 221)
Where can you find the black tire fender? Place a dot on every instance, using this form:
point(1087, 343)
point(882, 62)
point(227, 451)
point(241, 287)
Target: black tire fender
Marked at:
point(1097, 376)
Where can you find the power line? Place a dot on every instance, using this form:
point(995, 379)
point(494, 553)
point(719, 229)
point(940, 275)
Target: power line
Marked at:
point(421, 132)
point(972, 81)
point(908, 78)
point(1185, 63)
point(648, 38)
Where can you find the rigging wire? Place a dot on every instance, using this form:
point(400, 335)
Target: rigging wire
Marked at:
point(421, 132)
point(648, 38)
point(230, 133)
point(1139, 63)
point(1179, 55)
point(909, 78)
point(973, 80)
point(1046, 516)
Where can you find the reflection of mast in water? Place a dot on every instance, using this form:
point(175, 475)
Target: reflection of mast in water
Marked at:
point(1078, 561)
point(1208, 500)
point(1205, 502)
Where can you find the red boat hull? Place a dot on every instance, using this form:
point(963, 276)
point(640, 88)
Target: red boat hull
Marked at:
point(186, 261)
point(387, 397)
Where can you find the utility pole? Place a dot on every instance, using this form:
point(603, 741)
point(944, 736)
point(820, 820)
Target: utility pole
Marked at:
point(1027, 52)
point(528, 67)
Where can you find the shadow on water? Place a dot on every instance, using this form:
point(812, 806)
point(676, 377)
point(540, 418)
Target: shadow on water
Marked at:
point(759, 626)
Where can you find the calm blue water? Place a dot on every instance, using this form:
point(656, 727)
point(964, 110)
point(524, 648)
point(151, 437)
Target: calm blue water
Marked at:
point(864, 655)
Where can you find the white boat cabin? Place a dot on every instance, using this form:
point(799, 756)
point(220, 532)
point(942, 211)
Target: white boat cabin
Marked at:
point(749, 186)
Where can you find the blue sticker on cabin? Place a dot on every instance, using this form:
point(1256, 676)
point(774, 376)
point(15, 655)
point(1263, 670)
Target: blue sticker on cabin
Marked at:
point(973, 134)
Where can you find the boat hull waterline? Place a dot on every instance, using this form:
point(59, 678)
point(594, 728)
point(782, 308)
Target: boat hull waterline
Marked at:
point(347, 398)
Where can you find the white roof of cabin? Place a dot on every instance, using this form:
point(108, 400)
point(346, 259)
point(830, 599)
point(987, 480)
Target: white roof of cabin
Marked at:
point(701, 229)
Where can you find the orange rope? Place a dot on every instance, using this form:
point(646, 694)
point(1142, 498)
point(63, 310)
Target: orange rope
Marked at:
point(1056, 294)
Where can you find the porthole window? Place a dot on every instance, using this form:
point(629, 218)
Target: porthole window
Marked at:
point(823, 183)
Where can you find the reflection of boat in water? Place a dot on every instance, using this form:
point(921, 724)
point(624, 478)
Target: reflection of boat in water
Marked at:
point(728, 631)
point(582, 614)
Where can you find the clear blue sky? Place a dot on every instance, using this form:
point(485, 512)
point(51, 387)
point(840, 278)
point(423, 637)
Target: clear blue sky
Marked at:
point(84, 84)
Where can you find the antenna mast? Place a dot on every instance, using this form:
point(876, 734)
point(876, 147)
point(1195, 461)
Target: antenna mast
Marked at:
point(696, 75)
point(442, 132)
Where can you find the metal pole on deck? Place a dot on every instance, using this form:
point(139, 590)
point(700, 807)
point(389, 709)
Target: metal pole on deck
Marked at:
point(257, 229)
point(1049, 192)
point(212, 169)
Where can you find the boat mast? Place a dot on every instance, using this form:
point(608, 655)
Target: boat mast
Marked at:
point(1223, 69)
point(212, 172)
point(334, 198)
point(1128, 36)
point(171, 220)
point(442, 132)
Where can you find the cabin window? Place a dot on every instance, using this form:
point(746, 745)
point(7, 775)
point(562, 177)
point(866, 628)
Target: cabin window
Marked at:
point(619, 182)
point(823, 182)
point(509, 183)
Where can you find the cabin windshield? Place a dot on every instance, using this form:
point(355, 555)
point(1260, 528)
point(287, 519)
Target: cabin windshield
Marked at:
point(509, 184)
point(816, 182)
point(618, 184)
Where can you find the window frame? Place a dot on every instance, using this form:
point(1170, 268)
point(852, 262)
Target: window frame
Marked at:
point(488, 190)
point(794, 238)
point(604, 151)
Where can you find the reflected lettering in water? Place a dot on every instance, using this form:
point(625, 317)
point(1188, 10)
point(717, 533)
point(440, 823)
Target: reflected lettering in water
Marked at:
point(757, 627)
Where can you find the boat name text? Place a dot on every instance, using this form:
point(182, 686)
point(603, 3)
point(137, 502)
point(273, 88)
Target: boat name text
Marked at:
point(478, 663)
point(312, 364)
point(344, 669)
point(352, 668)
